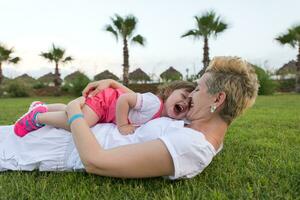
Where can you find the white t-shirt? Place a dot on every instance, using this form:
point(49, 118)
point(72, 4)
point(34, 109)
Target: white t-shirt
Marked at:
point(147, 105)
point(52, 149)
point(190, 151)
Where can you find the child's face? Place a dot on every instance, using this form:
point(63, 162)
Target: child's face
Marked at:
point(176, 105)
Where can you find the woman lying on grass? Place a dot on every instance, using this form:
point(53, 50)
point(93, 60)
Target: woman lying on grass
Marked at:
point(161, 147)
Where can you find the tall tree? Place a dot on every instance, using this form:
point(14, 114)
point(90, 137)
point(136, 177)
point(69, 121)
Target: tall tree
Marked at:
point(207, 25)
point(125, 28)
point(56, 55)
point(5, 56)
point(292, 38)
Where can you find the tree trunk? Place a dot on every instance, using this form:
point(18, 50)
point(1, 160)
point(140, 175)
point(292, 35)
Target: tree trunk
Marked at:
point(205, 56)
point(125, 62)
point(298, 70)
point(1, 75)
point(57, 76)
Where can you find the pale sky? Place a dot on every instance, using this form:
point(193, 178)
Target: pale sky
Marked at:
point(31, 26)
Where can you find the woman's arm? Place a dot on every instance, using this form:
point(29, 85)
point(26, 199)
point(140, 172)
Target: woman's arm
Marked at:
point(147, 159)
point(96, 86)
point(124, 103)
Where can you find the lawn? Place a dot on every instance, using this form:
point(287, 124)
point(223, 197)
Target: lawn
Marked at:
point(260, 160)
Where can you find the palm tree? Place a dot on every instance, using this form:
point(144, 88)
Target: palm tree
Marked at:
point(124, 28)
point(56, 55)
point(5, 56)
point(292, 38)
point(209, 24)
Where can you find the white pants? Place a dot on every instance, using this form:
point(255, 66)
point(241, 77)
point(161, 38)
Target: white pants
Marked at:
point(47, 149)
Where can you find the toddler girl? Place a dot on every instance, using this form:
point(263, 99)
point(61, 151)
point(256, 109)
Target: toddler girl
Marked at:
point(115, 104)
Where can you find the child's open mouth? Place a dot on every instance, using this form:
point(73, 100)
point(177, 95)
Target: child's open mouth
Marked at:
point(179, 108)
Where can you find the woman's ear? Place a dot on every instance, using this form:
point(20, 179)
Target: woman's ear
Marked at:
point(220, 98)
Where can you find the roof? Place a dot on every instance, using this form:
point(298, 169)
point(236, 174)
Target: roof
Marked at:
point(288, 68)
point(73, 76)
point(25, 77)
point(171, 74)
point(50, 77)
point(104, 75)
point(139, 75)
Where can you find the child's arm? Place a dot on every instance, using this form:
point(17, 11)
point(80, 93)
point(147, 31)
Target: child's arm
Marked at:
point(124, 103)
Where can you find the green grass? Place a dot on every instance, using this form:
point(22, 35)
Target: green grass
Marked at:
point(260, 160)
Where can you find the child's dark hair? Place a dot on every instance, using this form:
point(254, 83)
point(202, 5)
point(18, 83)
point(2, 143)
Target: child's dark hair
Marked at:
point(165, 90)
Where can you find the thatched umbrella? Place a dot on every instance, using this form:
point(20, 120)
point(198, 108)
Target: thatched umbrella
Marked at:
point(48, 79)
point(105, 75)
point(171, 74)
point(77, 78)
point(139, 75)
point(74, 76)
point(288, 68)
point(24, 79)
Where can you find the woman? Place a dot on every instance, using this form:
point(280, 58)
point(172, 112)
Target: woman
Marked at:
point(162, 147)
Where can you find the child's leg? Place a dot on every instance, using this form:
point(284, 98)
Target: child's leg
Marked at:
point(59, 119)
point(56, 107)
point(51, 107)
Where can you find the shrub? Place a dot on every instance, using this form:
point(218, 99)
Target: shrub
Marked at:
point(78, 84)
point(286, 85)
point(267, 85)
point(17, 90)
point(65, 88)
point(38, 85)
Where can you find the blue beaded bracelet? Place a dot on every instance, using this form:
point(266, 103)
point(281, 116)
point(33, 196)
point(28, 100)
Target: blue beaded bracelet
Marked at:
point(74, 117)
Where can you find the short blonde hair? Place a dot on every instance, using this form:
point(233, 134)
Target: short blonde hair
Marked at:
point(237, 78)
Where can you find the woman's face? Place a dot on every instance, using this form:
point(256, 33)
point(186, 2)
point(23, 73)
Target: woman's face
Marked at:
point(201, 101)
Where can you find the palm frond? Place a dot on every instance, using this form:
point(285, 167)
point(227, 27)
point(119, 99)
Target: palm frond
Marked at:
point(117, 22)
point(57, 52)
point(110, 29)
point(292, 37)
point(139, 39)
point(220, 27)
point(295, 30)
point(15, 60)
point(205, 23)
point(47, 55)
point(68, 59)
point(5, 55)
point(129, 25)
point(288, 38)
point(190, 33)
point(210, 24)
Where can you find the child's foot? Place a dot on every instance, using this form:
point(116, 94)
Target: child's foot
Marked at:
point(34, 104)
point(28, 122)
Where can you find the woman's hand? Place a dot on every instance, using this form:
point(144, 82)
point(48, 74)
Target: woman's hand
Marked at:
point(94, 87)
